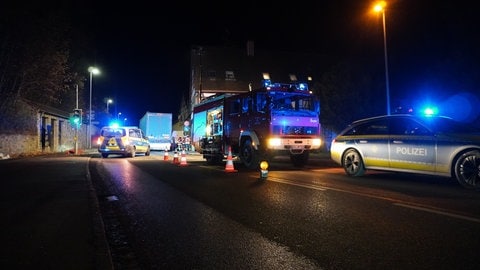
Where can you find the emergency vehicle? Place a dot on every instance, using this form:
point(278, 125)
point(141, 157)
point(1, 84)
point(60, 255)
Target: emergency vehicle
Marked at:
point(276, 119)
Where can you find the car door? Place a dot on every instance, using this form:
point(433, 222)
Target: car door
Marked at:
point(412, 146)
point(137, 138)
point(371, 139)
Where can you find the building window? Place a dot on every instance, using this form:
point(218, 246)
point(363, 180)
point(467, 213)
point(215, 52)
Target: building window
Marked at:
point(229, 76)
point(212, 75)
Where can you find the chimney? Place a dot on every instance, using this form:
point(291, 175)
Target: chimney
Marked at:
point(250, 48)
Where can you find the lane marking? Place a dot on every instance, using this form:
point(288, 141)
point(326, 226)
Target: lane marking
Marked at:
point(425, 208)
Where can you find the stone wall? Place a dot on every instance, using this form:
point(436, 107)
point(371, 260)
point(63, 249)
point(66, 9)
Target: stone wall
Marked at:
point(17, 145)
point(54, 134)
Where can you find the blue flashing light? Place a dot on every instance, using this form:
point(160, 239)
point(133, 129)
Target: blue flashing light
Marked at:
point(285, 86)
point(430, 111)
point(114, 125)
point(302, 86)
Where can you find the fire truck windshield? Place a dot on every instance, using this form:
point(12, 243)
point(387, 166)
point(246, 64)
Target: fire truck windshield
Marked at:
point(280, 101)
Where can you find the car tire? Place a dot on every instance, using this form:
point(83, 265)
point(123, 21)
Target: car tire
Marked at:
point(249, 156)
point(467, 170)
point(352, 163)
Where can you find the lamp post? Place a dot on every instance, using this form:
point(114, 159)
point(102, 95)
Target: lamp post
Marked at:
point(108, 102)
point(380, 7)
point(91, 70)
point(118, 115)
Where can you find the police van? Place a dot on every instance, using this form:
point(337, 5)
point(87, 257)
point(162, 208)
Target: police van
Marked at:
point(127, 141)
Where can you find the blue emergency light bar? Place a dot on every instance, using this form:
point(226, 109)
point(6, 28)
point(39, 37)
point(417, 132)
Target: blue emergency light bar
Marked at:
point(285, 86)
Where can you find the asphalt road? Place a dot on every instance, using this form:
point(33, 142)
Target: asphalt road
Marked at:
point(77, 212)
point(201, 217)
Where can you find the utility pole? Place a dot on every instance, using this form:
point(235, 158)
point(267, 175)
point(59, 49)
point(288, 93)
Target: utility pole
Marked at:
point(76, 126)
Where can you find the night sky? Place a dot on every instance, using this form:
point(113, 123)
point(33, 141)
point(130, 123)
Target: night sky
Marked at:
point(142, 49)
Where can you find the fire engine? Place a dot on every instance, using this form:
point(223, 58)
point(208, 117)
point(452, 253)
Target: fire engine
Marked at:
point(276, 119)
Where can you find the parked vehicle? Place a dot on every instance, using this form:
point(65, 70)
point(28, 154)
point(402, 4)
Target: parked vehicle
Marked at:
point(158, 128)
point(415, 144)
point(277, 119)
point(126, 141)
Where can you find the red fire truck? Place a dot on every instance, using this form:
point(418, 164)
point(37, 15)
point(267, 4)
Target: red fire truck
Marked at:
point(277, 119)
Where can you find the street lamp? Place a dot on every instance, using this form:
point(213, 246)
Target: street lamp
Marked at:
point(108, 102)
point(91, 70)
point(118, 115)
point(380, 7)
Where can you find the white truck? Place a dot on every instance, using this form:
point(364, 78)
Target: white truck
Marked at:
point(158, 128)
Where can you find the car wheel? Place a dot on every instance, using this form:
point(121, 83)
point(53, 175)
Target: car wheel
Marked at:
point(104, 155)
point(148, 152)
point(467, 170)
point(353, 163)
point(249, 156)
point(132, 154)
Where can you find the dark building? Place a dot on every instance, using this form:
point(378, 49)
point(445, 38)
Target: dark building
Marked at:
point(234, 70)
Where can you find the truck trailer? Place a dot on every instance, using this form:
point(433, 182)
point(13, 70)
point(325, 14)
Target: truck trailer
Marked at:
point(158, 128)
point(276, 119)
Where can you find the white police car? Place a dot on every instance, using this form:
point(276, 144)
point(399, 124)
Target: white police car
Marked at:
point(122, 140)
point(415, 144)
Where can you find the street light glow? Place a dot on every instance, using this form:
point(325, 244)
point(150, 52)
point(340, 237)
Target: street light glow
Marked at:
point(91, 70)
point(109, 101)
point(380, 6)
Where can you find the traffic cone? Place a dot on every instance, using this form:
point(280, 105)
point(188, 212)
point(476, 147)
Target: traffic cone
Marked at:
point(183, 159)
point(175, 158)
point(229, 166)
point(165, 156)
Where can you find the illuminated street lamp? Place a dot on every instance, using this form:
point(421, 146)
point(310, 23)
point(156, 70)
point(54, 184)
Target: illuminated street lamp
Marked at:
point(91, 70)
point(118, 115)
point(109, 101)
point(380, 7)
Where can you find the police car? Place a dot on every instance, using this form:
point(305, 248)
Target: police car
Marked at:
point(431, 145)
point(122, 140)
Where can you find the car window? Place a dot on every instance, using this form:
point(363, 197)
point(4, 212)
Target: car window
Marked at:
point(135, 133)
point(404, 126)
point(374, 127)
point(111, 132)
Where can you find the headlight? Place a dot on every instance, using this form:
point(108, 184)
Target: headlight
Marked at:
point(274, 141)
point(317, 142)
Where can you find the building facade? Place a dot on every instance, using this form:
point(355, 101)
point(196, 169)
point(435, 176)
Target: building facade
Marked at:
point(215, 70)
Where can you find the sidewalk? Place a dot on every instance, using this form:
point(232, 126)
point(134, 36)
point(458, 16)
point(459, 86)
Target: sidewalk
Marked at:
point(50, 214)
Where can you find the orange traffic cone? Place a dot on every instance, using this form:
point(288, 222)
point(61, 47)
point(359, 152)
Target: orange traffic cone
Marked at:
point(183, 159)
point(175, 158)
point(165, 156)
point(229, 166)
